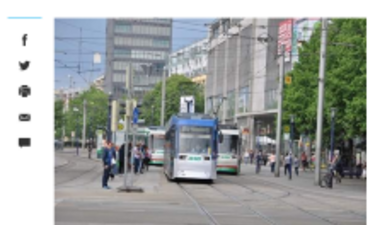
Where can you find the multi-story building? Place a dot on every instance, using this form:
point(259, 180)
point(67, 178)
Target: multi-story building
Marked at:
point(146, 44)
point(243, 69)
point(191, 60)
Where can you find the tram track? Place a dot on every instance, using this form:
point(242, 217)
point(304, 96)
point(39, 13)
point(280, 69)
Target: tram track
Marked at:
point(283, 201)
point(72, 162)
point(210, 218)
point(297, 191)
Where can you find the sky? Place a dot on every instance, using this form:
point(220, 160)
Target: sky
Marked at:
point(67, 32)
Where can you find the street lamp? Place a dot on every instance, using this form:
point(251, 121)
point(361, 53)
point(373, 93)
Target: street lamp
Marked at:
point(291, 132)
point(333, 112)
point(75, 109)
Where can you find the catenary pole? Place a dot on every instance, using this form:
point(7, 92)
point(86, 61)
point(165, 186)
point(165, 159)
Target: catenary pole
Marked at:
point(280, 111)
point(319, 124)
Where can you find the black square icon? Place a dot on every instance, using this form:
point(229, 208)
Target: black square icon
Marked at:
point(24, 142)
point(24, 91)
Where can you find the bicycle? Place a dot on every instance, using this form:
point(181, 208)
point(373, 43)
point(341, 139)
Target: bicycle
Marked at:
point(326, 180)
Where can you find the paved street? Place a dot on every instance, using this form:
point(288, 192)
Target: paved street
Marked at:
point(230, 200)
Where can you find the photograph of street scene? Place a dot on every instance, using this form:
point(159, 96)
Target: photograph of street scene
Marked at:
point(210, 121)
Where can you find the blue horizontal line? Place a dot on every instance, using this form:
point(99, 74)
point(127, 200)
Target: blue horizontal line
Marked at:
point(17, 17)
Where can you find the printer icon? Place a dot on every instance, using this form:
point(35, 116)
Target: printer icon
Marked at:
point(24, 91)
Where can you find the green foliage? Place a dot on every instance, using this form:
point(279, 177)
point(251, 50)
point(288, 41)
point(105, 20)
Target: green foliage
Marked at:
point(176, 86)
point(345, 81)
point(59, 116)
point(96, 114)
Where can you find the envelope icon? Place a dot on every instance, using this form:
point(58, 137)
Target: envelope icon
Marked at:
point(24, 117)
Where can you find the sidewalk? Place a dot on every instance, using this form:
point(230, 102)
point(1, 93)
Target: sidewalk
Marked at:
point(348, 188)
point(150, 181)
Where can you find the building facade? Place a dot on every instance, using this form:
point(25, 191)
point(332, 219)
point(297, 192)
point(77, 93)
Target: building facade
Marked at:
point(145, 44)
point(243, 68)
point(190, 61)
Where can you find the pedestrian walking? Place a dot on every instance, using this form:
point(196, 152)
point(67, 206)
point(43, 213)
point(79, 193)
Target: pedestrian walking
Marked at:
point(288, 162)
point(90, 144)
point(251, 156)
point(137, 156)
point(113, 161)
point(129, 156)
point(258, 161)
point(296, 165)
point(121, 159)
point(304, 161)
point(246, 157)
point(142, 157)
point(106, 157)
point(265, 159)
point(272, 159)
point(147, 158)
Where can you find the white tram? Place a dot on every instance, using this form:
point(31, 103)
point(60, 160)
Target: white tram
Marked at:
point(191, 147)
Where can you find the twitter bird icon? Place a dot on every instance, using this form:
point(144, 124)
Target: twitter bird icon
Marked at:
point(24, 65)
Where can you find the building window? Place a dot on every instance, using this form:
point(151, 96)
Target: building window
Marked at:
point(161, 43)
point(122, 53)
point(244, 97)
point(123, 28)
point(215, 32)
point(230, 104)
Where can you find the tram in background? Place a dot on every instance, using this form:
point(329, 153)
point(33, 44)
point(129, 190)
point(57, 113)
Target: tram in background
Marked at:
point(229, 160)
point(191, 147)
point(141, 135)
point(156, 142)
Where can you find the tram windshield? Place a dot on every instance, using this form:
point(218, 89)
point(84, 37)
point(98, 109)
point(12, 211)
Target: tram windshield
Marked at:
point(229, 144)
point(158, 142)
point(195, 140)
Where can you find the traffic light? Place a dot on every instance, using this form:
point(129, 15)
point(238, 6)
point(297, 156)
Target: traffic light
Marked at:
point(122, 108)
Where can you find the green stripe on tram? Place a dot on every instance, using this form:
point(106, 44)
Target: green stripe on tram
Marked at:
point(226, 169)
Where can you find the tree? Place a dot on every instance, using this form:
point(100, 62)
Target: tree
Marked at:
point(59, 117)
point(176, 86)
point(96, 112)
point(345, 81)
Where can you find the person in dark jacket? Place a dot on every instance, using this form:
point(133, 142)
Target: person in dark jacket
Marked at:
point(113, 161)
point(130, 148)
point(106, 157)
point(121, 159)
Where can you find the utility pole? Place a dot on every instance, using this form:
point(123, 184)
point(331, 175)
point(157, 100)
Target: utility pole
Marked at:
point(280, 111)
point(109, 117)
point(84, 124)
point(319, 124)
point(129, 112)
point(292, 134)
point(163, 98)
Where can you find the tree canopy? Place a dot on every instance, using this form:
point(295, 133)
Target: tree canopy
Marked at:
point(345, 81)
point(96, 114)
point(176, 86)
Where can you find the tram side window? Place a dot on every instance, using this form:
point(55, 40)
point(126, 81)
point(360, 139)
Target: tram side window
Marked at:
point(170, 141)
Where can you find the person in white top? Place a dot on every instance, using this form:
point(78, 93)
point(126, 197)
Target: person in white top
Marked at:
point(288, 165)
point(246, 156)
point(272, 159)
